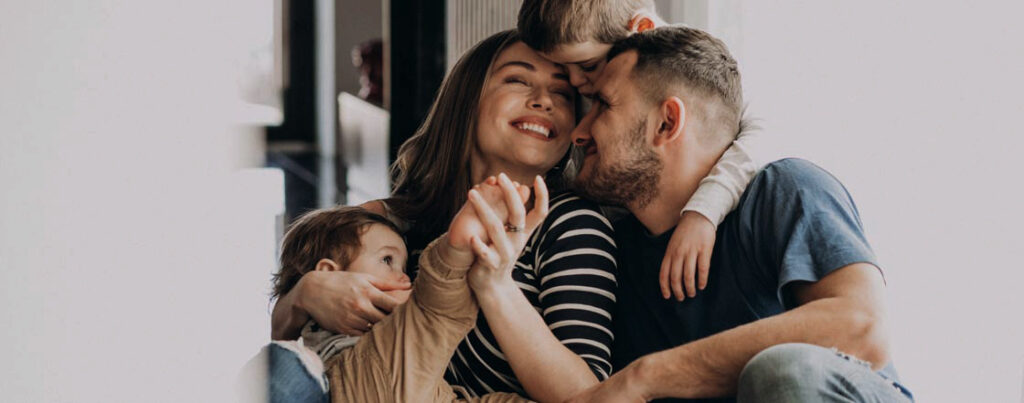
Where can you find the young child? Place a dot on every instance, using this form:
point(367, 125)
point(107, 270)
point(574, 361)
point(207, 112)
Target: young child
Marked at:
point(403, 357)
point(340, 239)
point(579, 34)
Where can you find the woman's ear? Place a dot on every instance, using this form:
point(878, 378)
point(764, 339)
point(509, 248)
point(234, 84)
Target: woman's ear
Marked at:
point(672, 114)
point(328, 265)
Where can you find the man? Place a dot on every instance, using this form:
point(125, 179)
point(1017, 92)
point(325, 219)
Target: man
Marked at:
point(794, 310)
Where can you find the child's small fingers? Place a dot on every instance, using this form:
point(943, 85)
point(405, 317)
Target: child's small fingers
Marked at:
point(524, 192)
point(663, 276)
point(690, 275)
point(703, 268)
point(676, 280)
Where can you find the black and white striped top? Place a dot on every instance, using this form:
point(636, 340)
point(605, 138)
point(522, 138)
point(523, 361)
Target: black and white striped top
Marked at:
point(567, 272)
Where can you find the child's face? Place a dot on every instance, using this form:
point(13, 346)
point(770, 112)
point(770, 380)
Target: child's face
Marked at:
point(383, 255)
point(584, 60)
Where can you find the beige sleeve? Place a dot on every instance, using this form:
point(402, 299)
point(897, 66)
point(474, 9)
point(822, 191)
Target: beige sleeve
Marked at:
point(404, 356)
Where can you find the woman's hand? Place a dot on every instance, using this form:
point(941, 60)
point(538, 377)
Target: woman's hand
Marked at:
point(466, 224)
point(496, 259)
point(346, 302)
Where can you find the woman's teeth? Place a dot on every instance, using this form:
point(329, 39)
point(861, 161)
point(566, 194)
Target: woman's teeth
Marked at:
point(543, 131)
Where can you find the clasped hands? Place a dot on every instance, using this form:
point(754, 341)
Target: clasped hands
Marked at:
point(492, 228)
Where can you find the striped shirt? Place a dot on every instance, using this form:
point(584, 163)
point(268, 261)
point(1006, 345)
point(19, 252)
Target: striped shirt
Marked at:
point(567, 272)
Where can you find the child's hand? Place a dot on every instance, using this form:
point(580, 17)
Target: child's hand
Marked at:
point(688, 257)
point(496, 259)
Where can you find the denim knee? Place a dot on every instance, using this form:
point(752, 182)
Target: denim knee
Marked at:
point(785, 372)
point(290, 380)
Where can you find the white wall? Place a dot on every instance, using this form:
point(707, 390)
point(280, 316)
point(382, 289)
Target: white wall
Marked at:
point(134, 258)
point(471, 21)
point(915, 106)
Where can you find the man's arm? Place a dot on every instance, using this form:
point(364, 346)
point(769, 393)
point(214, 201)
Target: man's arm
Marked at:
point(286, 320)
point(340, 301)
point(845, 309)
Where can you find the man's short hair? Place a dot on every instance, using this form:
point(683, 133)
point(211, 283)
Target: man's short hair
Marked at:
point(547, 24)
point(674, 55)
point(330, 233)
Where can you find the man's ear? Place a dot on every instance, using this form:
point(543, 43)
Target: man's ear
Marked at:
point(328, 265)
point(672, 114)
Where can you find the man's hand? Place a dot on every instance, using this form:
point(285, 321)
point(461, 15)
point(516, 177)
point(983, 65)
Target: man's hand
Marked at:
point(346, 302)
point(688, 257)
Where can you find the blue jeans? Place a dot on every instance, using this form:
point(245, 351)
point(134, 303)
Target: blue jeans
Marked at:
point(289, 380)
point(807, 373)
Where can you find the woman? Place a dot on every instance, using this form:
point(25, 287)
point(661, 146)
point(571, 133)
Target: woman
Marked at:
point(545, 333)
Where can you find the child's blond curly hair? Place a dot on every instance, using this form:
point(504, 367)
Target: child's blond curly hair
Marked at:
point(546, 24)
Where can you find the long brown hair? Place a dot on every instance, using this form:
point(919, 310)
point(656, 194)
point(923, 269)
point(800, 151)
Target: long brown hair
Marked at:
point(432, 171)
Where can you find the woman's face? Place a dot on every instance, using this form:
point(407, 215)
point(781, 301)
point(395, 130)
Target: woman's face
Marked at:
point(526, 112)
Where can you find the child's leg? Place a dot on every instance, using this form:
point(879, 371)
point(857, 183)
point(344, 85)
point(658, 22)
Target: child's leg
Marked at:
point(403, 357)
point(292, 376)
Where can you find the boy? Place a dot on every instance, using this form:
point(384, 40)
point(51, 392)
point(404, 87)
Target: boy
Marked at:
point(579, 34)
point(404, 356)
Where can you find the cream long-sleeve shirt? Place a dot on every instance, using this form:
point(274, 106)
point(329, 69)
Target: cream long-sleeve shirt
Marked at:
point(720, 191)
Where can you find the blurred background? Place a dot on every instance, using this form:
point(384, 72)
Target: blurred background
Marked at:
point(152, 152)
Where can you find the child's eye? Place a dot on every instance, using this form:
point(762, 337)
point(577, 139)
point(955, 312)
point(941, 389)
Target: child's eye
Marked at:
point(387, 260)
point(589, 68)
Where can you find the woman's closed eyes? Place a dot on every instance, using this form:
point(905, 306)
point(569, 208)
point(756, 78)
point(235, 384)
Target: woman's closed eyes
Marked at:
point(565, 93)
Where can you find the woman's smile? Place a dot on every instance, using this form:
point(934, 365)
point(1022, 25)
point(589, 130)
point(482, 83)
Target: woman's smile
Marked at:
point(526, 111)
point(536, 127)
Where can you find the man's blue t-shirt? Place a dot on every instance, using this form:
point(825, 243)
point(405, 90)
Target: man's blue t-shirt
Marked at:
point(795, 222)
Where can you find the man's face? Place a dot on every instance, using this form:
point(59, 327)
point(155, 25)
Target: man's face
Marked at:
point(620, 165)
point(584, 60)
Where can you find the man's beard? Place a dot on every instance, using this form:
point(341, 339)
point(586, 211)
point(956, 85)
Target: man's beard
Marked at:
point(630, 182)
